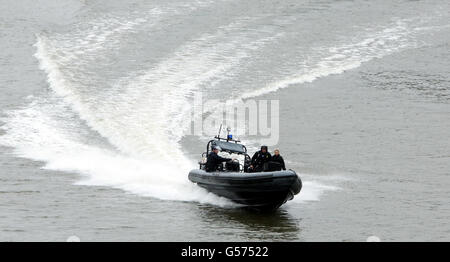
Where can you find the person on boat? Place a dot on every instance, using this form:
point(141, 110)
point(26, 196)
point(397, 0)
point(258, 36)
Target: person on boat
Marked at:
point(260, 160)
point(214, 160)
point(277, 158)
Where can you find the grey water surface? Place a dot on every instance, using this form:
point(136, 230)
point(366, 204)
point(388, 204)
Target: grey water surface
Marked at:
point(93, 109)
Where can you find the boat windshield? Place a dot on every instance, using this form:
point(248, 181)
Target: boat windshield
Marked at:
point(230, 147)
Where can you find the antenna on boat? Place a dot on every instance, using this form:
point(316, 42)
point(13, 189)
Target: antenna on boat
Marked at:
point(220, 129)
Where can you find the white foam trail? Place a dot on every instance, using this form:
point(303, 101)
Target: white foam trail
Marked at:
point(103, 33)
point(40, 132)
point(146, 157)
point(312, 191)
point(85, 41)
point(339, 59)
point(315, 186)
point(150, 161)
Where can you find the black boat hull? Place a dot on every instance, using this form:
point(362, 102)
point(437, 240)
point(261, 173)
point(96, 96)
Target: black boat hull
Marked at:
point(262, 190)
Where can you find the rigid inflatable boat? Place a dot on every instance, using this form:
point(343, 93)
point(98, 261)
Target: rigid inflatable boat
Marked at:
point(266, 190)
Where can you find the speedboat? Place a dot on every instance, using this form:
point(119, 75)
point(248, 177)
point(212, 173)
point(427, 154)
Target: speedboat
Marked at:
point(266, 190)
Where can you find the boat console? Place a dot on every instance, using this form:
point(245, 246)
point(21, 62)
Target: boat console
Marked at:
point(231, 146)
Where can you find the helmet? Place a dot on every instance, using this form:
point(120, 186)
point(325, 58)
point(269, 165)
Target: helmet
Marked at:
point(217, 147)
point(264, 147)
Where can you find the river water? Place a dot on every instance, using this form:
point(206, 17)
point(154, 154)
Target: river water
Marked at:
point(93, 121)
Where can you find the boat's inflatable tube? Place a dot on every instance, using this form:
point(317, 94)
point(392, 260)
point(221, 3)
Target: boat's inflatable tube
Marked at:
point(262, 190)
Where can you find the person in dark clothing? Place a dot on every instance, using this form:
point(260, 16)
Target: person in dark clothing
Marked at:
point(260, 160)
point(277, 158)
point(214, 160)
